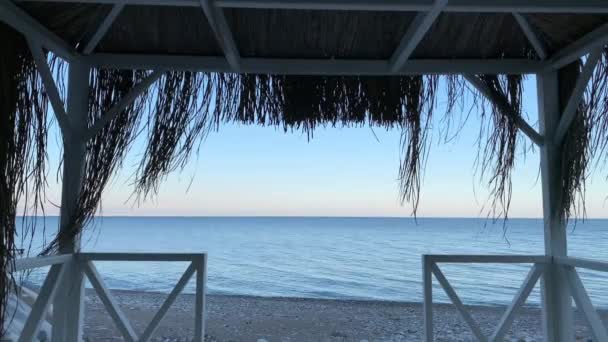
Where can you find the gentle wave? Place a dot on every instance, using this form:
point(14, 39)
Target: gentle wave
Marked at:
point(354, 258)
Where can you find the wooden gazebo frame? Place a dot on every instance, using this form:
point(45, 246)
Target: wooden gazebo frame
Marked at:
point(560, 283)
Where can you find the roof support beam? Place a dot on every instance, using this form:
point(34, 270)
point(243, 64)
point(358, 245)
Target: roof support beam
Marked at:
point(220, 27)
point(103, 28)
point(414, 34)
point(496, 6)
point(575, 99)
point(503, 104)
point(123, 104)
point(591, 41)
point(19, 20)
point(316, 66)
point(50, 87)
point(531, 35)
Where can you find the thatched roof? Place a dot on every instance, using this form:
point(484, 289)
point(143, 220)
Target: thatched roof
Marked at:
point(310, 34)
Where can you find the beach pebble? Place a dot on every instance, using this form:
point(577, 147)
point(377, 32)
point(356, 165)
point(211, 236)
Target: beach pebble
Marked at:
point(262, 340)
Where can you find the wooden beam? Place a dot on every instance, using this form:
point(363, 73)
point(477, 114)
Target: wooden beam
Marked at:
point(485, 259)
point(531, 35)
point(476, 6)
point(119, 318)
point(103, 28)
point(518, 301)
point(583, 303)
point(601, 266)
point(51, 87)
point(41, 305)
point(506, 107)
point(183, 280)
point(139, 256)
point(315, 66)
point(35, 262)
point(199, 300)
point(222, 31)
point(593, 40)
point(123, 103)
point(414, 34)
point(19, 20)
point(576, 97)
point(458, 303)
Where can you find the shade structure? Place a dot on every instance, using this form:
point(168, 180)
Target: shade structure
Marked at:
point(300, 64)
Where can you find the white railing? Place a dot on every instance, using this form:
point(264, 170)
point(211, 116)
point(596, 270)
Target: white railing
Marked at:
point(583, 302)
point(84, 262)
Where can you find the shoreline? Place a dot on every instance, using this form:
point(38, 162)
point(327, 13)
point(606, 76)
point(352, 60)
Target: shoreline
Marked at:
point(252, 318)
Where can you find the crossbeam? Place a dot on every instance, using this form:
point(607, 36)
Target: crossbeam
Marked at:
point(583, 303)
point(42, 303)
point(32, 29)
point(220, 27)
point(520, 298)
point(576, 97)
point(495, 6)
point(153, 325)
point(449, 290)
point(593, 40)
point(50, 86)
point(103, 28)
point(414, 34)
point(119, 318)
point(129, 98)
point(531, 35)
point(315, 66)
point(506, 107)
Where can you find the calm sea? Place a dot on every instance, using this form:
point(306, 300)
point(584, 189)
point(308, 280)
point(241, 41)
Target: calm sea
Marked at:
point(354, 258)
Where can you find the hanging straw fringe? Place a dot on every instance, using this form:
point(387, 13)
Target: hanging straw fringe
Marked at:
point(23, 134)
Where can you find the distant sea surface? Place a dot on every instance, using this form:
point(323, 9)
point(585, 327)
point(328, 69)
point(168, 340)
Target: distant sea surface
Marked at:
point(338, 258)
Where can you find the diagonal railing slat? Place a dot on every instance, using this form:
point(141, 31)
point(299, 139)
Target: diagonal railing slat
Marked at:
point(41, 305)
point(583, 302)
point(151, 328)
point(449, 290)
point(119, 318)
point(520, 298)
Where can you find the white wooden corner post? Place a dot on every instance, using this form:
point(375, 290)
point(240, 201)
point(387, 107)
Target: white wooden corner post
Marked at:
point(68, 305)
point(555, 294)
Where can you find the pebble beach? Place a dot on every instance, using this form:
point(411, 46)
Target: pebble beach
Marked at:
point(262, 319)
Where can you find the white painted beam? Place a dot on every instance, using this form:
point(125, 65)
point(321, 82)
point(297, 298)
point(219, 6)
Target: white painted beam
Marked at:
point(518, 301)
point(119, 318)
point(583, 303)
point(123, 103)
point(458, 303)
point(199, 301)
point(593, 40)
point(414, 34)
point(103, 28)
point(474, 6)
point(32, 29)
point(29, 263)
point(595, 265)
point(577, 96)
point(220, 27)
point(139, 256)
point(315, 66)
point(427, 290)
point(183, 280)
point(41, 305)
point(488, 258)
point(503, 104)
point(50, 87)
point(531, 35)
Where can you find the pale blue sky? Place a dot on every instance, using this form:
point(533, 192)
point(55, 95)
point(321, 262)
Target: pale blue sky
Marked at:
point(252, 170)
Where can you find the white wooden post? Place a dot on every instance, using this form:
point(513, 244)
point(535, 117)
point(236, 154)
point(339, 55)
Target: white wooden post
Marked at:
point(427, 288)
point(556, 300)
point(68, 305)
point(199, 302)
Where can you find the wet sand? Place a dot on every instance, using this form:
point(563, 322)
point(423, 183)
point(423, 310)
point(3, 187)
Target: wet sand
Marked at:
point(259, 319)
